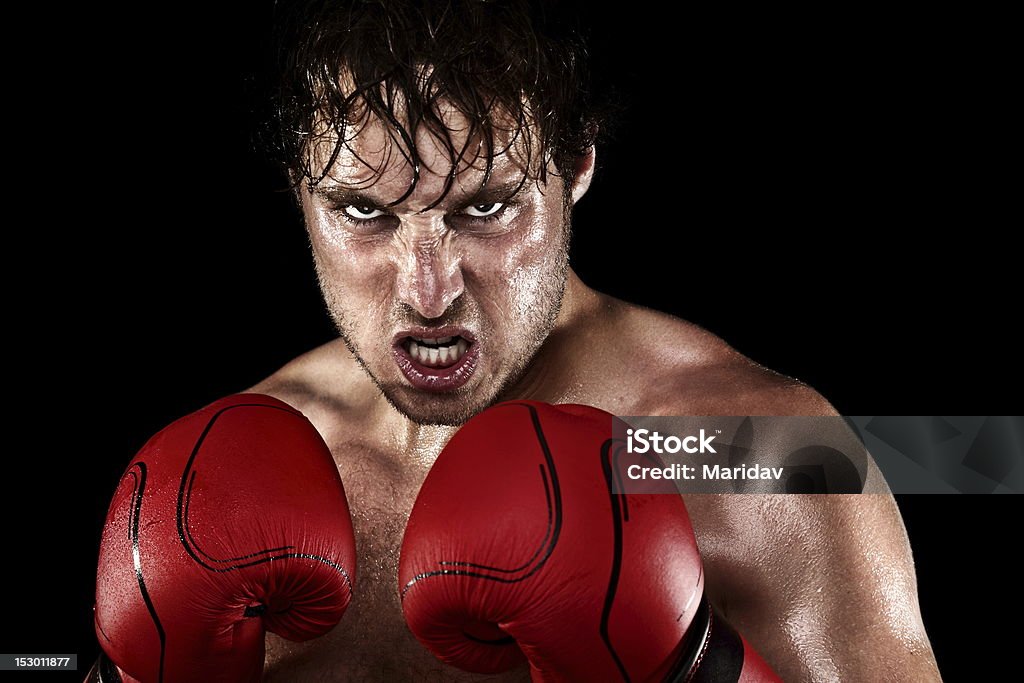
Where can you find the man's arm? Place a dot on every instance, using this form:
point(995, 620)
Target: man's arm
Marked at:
point(823, 586)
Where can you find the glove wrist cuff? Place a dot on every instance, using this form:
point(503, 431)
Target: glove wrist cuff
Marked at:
point(103, 671)
point(712, 651)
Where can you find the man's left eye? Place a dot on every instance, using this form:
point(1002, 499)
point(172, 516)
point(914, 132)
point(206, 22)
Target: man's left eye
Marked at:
point(362, 213)
point(483, 210)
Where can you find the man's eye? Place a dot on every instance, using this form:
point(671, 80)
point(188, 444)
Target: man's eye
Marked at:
point(483, 210)
point(362, 213)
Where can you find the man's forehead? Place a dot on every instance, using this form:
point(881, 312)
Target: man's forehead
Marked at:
point(374, 154)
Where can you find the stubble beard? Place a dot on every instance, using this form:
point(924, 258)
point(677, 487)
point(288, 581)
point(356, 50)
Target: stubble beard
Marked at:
point(535, 328)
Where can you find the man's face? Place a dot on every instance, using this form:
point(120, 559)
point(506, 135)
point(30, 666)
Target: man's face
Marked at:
point(444, 307)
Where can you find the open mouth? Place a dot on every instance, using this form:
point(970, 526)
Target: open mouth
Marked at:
point(436, 360)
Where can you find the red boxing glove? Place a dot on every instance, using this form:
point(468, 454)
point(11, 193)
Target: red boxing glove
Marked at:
point(229, 522)
point(520, 546)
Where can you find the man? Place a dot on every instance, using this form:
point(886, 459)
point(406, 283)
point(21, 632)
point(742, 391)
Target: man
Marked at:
point(437, 152)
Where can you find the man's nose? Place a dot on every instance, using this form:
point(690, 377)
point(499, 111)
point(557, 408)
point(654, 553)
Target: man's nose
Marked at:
point(430, 279)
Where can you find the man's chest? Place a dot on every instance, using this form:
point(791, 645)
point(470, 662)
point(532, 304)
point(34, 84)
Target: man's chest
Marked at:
point(372, 641)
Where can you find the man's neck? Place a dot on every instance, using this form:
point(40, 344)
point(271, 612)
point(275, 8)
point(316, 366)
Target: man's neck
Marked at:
point(549, 376)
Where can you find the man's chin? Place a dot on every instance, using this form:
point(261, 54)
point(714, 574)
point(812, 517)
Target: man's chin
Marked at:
point(425, 408)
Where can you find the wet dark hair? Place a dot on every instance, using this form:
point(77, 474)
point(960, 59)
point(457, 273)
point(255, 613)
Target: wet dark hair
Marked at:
point(506, 65)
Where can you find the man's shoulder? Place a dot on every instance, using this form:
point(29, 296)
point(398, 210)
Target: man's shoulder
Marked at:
point(320, 383)
point(692, 371)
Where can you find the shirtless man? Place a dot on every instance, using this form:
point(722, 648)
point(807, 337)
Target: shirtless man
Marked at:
point(437, 181)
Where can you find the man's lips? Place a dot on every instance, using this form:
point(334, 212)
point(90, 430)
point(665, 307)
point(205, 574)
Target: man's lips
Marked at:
point(436, 359)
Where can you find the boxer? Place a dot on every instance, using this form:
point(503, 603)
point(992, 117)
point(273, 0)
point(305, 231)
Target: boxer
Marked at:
point(437, 150)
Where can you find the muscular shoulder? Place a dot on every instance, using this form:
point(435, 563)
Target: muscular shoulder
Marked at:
point(687, 370)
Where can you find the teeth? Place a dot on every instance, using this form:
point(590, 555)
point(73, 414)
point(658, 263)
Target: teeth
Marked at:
point(437, 340)
point(446, 353)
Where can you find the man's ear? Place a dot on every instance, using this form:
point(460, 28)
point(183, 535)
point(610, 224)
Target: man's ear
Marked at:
point(584, 173)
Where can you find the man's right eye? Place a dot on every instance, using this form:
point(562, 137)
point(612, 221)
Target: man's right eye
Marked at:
point(362, 213)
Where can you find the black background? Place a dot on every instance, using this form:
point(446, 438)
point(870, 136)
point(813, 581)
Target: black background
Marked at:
point(829, 193)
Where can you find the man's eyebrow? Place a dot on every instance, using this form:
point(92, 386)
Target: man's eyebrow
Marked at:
point(343, 196)
point(500, 192)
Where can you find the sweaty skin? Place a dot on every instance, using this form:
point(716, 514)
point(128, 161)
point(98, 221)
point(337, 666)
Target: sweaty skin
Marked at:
point(822, 586)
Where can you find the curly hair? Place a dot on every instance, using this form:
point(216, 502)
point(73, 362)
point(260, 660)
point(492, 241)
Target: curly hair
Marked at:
point(515, 69)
